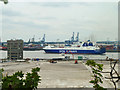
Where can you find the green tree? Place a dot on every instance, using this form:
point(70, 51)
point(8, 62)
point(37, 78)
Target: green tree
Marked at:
point(18, 81)
point(96, 69)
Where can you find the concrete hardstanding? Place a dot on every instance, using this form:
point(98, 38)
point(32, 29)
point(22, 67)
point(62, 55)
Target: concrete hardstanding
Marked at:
point(63, 74)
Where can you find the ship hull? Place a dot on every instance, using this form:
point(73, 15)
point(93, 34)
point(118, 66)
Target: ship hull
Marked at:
point(99, 51)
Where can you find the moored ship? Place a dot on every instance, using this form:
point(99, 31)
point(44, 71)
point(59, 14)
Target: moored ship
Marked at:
point(84, 48)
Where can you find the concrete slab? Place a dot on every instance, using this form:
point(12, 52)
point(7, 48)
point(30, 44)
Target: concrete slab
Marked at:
point(63, 74)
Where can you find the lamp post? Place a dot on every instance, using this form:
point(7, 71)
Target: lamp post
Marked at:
point(5, 1)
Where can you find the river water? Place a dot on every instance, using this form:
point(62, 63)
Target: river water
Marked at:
point(42, 54)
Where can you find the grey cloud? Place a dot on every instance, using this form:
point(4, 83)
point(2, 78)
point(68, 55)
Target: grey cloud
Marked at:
point(11, 23)
point(53, 4)
point(6, 12)
point(46, 18)
point(65, 4)
point(33, 25)
point(85, 19)
point(81, 23)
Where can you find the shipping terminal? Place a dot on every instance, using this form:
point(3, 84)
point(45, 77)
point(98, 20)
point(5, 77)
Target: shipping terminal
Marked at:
point(32, 45)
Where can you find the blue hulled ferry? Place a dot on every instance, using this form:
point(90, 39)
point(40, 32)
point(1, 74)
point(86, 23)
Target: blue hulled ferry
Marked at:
point(83, 48)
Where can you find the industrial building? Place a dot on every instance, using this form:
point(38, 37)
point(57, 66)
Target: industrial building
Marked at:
point(14, 49)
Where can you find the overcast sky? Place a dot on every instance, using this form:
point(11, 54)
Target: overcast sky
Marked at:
point(58, 20)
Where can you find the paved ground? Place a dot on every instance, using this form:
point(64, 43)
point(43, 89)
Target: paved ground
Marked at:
point(63, 74)
point(107, 68)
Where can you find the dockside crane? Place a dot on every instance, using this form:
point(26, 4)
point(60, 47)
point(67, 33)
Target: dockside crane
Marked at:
point(72, 38)
point(43, 39)
point(77, 37)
